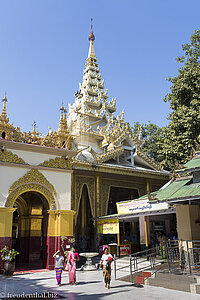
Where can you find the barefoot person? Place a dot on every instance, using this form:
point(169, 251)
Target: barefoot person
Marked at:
point(59, 266)
point(106, 260)
point(72, 258)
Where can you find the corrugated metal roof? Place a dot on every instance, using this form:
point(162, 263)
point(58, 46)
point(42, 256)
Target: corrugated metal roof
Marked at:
point(170, 191)
point(188, 191)
point(193, 163)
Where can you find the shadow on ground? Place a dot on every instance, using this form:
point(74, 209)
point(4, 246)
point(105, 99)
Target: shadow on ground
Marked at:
point(18, 286)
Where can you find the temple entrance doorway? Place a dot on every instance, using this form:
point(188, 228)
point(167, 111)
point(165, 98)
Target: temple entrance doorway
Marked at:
point(29, 230)
point(84, 230)
point(118, 194)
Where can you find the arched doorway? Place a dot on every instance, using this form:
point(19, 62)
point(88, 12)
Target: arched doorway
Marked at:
point(29, 231)
point(84, 225)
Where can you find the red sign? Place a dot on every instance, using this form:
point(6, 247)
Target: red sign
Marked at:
point(125, 249)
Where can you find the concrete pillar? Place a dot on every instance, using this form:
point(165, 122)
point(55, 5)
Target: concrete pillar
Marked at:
point(98, 206)
point(167, 227)
point(188, 226)
point(60, 229)
point(144, 232)
point(6, 218)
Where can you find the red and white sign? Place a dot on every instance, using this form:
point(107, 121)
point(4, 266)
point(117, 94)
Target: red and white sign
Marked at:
point(125, 249)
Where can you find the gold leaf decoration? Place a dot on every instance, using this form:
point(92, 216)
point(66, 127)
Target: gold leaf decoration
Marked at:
point(8, 156)
point(58, 162)
point(31, 187)
point(32, 181)
point(33, 176)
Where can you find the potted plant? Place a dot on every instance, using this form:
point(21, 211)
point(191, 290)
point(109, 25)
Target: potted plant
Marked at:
point(8, 256)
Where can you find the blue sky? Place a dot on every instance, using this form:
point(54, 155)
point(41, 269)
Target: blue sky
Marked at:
point(44, 44)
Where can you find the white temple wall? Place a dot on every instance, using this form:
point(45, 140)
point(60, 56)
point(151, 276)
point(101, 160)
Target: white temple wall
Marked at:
point(62, 184)
point(32, 158)
point(60, 180)
point(8, 175)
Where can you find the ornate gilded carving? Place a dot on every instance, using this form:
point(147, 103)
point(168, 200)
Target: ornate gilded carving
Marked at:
point(105, 197)
point(109, 154)
point(58, 162)
point(32, 181)
point(28, 187)
point(33, 176)
point(8, 156)
point(90, 183)
point(60, 138)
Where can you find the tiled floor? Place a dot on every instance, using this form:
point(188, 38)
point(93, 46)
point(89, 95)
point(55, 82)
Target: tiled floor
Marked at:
point(90, 286)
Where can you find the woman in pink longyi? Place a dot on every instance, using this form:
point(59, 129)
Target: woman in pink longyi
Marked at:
point(71, 264)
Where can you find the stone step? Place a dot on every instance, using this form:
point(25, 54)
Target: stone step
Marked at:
point(198, 289)
point(170, 276)
point(170, 284)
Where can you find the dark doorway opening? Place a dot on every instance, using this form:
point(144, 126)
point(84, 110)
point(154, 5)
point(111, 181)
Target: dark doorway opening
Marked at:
point(84, 230)
point(120, 194)
point(29, 231)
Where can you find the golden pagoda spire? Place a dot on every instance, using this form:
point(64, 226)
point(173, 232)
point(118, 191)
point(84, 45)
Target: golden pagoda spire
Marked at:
point(4, 113)
point(61, 123)
point(34, 127)
point(91, 38)
point(65, 115)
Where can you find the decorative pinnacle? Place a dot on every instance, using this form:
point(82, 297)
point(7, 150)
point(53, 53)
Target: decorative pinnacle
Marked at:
point(62, 108)
point(4, 98)
point(3, 113)
point(91, 36)
point(34, 126)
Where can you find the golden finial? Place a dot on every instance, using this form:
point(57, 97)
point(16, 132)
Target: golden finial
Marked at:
point(4, 98)
point(34, 126)
point(3, 113)
point(91, 36)
point(62, 108)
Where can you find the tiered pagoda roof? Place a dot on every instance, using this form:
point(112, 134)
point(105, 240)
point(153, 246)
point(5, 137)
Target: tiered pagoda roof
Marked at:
point(91, 126)
point(102, 137)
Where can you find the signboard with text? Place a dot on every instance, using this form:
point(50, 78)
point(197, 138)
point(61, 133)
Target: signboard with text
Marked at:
point(125, 249)
point(137, 206)
point(108, 226)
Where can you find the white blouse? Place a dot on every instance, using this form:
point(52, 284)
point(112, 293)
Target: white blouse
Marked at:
point(104, 258)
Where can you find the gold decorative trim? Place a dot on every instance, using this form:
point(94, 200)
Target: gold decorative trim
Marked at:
point(90, 183)
point(58, 162)
point(31, 187)
point(105, 197)
point(32, 181)
point(8, 156)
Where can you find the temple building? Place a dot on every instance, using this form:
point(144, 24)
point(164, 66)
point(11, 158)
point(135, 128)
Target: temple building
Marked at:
point(53, 186)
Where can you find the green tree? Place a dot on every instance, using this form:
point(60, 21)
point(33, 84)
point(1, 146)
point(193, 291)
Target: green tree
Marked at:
point(183, 132)
point(150, 136)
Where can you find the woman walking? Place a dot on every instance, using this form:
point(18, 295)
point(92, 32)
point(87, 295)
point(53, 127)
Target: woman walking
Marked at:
point(72, 258)
point(59, 266)
point(106, 260)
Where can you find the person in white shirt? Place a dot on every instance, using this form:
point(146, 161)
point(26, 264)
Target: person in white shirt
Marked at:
point(106, 261)
point(59, 265)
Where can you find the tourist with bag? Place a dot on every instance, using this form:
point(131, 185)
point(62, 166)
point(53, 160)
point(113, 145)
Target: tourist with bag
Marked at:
point(106, 261)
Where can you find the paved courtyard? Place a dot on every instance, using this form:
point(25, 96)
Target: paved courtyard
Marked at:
point(90, 286)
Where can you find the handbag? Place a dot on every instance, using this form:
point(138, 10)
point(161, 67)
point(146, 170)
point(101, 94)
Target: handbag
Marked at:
point(107, 266)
